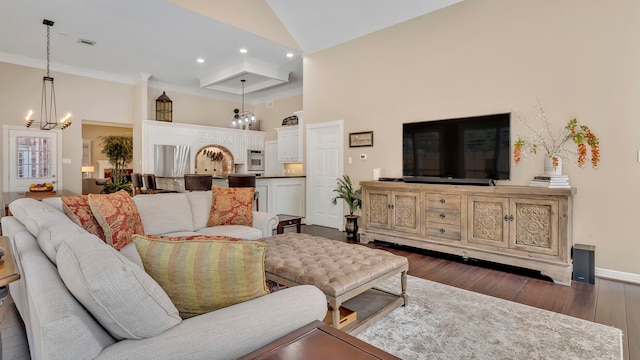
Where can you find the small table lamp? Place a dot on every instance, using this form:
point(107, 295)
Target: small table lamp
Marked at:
point(86, 170)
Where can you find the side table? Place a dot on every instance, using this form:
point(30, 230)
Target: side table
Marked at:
point(8, 273)
point(318, 341)
point(288, 220)
point(8, 197)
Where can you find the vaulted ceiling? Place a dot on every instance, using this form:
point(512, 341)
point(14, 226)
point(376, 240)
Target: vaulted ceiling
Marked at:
point(164, 39)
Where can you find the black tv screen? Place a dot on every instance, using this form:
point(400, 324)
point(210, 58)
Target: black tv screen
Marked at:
point(466, 149)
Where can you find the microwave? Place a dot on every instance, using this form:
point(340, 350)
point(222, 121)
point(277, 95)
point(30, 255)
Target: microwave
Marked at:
point(255, 160)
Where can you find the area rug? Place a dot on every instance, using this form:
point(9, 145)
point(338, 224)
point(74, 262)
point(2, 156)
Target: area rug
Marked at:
point(444, 322)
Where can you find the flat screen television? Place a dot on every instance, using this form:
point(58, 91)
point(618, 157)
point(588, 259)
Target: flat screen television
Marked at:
point(471, 150)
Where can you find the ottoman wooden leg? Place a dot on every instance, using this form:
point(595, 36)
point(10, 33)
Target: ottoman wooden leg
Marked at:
point(403, 284)
point(335, 312)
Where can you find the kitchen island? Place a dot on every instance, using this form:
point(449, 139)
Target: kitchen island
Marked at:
point(276, 194)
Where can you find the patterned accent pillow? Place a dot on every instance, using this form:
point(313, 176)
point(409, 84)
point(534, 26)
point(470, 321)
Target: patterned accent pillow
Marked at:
point(201, 276)
point(78, 210)
point(231, 206)
point(118, 216)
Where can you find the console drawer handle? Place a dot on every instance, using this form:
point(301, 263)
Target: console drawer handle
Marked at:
point(442, 201)
point(442, 215)
point(442, 230)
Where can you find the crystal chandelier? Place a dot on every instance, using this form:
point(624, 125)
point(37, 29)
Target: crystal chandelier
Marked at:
point(48, 113)
point(242, 119)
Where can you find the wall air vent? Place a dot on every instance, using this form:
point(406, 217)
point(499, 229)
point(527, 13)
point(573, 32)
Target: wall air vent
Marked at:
point(87, 42)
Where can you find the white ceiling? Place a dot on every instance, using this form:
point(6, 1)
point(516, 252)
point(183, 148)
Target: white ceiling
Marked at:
point(137, 38)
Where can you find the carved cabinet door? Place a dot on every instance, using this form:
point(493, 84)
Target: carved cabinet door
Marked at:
point(535, 225)
point(406, 211)
point(377, 209)
point(488, 221)
point(393, 210)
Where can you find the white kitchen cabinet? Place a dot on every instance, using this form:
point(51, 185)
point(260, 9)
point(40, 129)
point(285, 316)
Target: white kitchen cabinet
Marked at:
point(289, 144)
point(254, 140)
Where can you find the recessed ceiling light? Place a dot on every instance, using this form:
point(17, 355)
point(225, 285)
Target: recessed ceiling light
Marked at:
point(244, 51)
point(200, 60)
point(289, 55)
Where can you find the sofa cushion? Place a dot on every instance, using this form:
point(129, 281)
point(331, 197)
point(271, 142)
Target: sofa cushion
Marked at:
point(231, 206)
point(236, 231)
point(119, 294)
point(164, 213)
point(49, 238)
point(78, 210)
point(202, 275)
point(200, 202)
point(34, 214)
point(118, 216)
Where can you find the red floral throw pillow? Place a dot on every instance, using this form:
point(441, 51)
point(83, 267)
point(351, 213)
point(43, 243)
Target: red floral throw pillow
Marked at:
point(78, 210)
point(118, 216)
point(231, 206)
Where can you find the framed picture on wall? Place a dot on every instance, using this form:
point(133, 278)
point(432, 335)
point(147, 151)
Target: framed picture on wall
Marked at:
point(361, 139)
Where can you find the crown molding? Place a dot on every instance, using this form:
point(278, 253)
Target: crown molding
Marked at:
point(67, 69)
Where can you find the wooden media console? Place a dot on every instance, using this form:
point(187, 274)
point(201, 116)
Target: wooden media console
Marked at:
point(521, 226)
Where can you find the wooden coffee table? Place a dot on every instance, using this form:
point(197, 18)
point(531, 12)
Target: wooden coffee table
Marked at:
point(318, 341)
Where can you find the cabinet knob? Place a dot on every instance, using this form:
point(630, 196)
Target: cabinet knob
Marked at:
point(442, 215)
point(508, 218)
point(442, 230)
point(390, 206)
point(442, 201)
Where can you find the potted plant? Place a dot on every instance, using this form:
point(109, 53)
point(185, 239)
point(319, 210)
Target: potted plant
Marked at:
point(352, 198)
point(119, 151)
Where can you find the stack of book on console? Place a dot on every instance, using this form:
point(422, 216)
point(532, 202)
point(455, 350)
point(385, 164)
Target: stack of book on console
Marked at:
point(551, 181)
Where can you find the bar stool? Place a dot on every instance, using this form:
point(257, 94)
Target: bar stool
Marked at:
point(197, 182)
point(150, 183)
point(245, 180)
point(136, 182)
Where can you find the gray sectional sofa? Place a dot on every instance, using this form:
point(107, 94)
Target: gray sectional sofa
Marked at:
point(58, 326)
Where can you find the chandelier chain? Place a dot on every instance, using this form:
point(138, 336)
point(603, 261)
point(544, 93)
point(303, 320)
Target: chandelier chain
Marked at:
point(48, 48)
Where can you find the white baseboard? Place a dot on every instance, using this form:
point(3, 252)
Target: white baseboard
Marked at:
point(618, 275)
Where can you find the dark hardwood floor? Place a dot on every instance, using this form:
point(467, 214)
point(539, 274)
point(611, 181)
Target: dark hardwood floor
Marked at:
point(606, 302)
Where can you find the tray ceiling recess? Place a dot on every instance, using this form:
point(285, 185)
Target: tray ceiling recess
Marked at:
point(257, 78)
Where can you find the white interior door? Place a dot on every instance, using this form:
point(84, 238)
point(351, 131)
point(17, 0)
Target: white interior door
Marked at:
point(324, 165)
point(31, 156)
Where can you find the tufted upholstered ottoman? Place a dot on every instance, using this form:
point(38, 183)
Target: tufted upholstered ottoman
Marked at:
point(342, 271)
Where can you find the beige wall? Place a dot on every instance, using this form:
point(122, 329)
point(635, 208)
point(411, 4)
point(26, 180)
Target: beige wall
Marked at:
point(580, 58)
point(280, 109)
point(198, 110)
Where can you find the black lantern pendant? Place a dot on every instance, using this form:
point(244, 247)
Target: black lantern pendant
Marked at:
point(164, 108)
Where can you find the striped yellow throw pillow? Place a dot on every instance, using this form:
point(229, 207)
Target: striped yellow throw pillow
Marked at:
point(205, 275)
